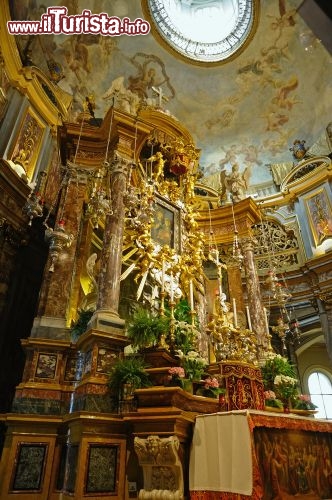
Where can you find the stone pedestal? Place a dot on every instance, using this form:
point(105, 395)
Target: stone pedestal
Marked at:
point(99, 351)
point(51, 370)
point(162, 468)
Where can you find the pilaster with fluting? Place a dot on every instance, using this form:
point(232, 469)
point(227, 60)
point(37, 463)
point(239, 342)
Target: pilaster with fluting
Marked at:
point(255, 304)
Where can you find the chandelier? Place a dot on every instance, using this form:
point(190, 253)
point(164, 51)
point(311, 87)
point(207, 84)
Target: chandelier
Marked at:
point(100, 201)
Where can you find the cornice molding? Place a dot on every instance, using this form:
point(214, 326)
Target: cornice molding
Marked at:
point(29, 80)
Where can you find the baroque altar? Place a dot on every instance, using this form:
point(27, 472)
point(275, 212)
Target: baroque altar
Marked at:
point(260, 455)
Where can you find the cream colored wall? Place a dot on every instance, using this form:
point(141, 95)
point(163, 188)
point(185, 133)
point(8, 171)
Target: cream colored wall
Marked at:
point(314, 357)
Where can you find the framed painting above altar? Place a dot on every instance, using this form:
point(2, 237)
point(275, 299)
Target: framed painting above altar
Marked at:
point(319, 213)
point(166, 226)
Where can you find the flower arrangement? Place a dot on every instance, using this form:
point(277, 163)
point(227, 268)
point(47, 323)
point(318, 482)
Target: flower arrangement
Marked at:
point(193, 364)
point(275, 365)
point(286, 387)
point(175, 375)
point(272, 400)
point(212, 388)
point(303, 402)
point(185, 335)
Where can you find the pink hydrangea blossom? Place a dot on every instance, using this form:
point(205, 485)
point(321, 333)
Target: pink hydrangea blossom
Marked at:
point(211, 383)
point(177, 371)
point(305, 397)
point(269, 395)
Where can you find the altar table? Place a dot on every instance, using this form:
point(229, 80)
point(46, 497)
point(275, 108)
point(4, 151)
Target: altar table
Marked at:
point(261, 455)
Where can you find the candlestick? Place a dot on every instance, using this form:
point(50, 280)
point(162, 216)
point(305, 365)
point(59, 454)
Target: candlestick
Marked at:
point(163, 276)
point(171, 294)
point(266, 320)
point(191, 295)
point(172, 324)
point(234, 313)
point(162, 303)
point(220, 288)
point(248, 317)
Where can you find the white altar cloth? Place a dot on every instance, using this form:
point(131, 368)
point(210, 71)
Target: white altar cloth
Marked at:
point(221, 453)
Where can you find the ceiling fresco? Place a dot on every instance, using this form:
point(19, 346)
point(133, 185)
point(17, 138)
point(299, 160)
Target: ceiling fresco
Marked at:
point(248, 110)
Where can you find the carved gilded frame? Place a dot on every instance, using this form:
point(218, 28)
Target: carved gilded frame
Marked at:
point(26, 147)
point(166, 226)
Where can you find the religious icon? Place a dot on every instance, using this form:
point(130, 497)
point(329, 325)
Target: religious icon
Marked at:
point(162, 231)
point(320, 216)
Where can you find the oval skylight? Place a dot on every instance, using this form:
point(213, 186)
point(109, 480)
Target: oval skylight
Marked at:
point(203, 30)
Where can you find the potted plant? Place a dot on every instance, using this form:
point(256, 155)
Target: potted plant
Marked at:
point(185, 333)
point(303, 402)
point(193, 364)
point(211, 388)
point(79, 326)
point(175, 376)
point(146, 329)
point(286, 390)
point(275, 365)
point(272, 403)
point(127, 375)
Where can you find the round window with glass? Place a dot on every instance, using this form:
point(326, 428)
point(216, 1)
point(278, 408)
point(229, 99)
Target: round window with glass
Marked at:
point(206, 31)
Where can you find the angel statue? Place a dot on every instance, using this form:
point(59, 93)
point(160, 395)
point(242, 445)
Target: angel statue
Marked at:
point(234, 184)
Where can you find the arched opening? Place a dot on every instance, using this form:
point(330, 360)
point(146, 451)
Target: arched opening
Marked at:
point(320, 389)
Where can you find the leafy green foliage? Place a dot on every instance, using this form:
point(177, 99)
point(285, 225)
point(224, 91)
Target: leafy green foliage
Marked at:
point(182, 311)
point(79, 326)
point(274, 403)
point(185, 333)
point(145, 329)
point(129, 370)
point(276, 365)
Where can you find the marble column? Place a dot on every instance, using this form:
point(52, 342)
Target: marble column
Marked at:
point(51, 319)
point(324, 302)
point(106, 317)
point(256, 309)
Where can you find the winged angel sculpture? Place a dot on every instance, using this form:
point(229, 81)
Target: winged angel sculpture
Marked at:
point(234, 185)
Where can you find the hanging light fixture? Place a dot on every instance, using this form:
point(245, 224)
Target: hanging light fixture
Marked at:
point(100, 201)
point(34, 205)
point(58, 238)
point(131, 196)
point(237, 254)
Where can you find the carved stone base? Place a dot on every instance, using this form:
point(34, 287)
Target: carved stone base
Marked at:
point(107, 321)
point(162, 468)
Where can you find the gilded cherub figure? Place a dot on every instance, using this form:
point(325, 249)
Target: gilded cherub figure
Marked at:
point(158, 167)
